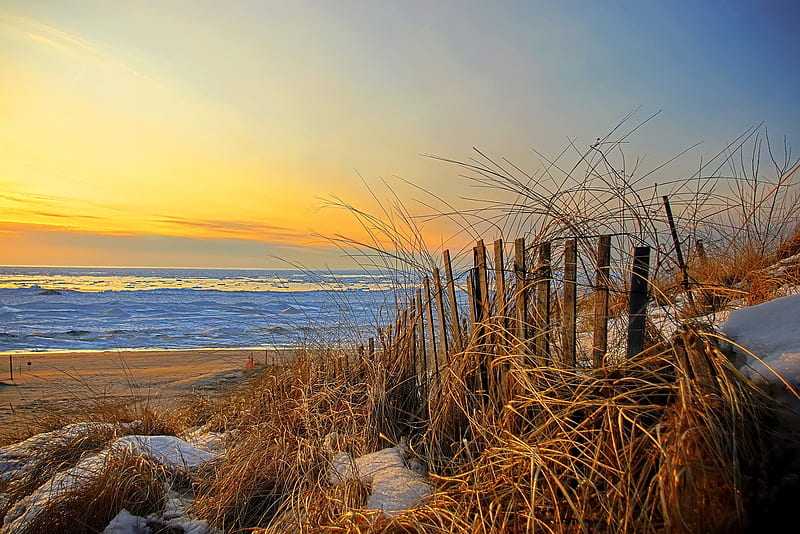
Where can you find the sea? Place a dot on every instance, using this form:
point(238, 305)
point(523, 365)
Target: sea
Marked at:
point(75, 309)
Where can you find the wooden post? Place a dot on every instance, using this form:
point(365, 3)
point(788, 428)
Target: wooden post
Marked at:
point(431, 329)
point(421, 323)
point(11, 367)
point(701, 252)
point(458, 343)
point(570, 300)
point(678, 252)
point(483, 282)
point(371, 348)
point(471, 299)
point(478, 279)
point(638, 302)
point(413, 322)
point(383, 341)
point(520, 290)
point(500, 280)
point(543, 275)
point(437, 282)
point(479, 331)
point(600, 341)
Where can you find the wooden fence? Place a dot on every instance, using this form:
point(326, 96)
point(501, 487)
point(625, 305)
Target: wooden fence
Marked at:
point(518, 307)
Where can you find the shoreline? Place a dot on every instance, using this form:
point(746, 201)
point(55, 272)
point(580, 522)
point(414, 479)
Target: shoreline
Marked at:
point(53, 381)
point(149, 350)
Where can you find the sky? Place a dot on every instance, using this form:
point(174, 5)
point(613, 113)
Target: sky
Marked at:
point(215, 134)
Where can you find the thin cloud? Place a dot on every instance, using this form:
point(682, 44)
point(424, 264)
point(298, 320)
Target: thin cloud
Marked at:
point(71, 45)
point(240, 229)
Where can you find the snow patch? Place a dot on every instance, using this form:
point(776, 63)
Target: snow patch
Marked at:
point(394, 486)
point(126, 523)
point(771, 331)
point(167, 450)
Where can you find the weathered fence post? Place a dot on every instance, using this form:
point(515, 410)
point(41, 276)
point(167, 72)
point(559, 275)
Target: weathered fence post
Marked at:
point(500, 371)
point(638, 301)
point(520, 290)
point(480, 295)
point(678, 252)
point(437, 282)
point(570, 300)
point(701, 252)
point(451, 293)
point(542, 335)
point(483, 282)
point(421, 322)
point(600, 340)
point(431, 329)
point(500, 281)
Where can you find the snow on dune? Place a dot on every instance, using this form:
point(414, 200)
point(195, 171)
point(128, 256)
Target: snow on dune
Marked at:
point(170, 451)
point(394, 486)
point(768, 335)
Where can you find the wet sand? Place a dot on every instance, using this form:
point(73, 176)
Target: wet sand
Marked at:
point(43, 381)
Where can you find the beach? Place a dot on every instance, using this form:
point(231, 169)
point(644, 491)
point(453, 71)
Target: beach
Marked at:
point(54, 380)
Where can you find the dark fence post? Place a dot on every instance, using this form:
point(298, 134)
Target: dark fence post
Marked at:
point(520, 290)
point(500, 281)
point(600, 340)
point(543, 275)
point(451, 293)
point(570, 300)
point(421, 323)
point(678, 252)
point(638, 300)
point(483, 282)
point(431, 329)
point(437, 282)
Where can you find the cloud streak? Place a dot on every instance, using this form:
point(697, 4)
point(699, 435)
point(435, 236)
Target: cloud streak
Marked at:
point(73, 46)
point(255, 231)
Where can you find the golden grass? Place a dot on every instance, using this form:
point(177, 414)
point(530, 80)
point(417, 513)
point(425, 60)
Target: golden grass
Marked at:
point(280, 450)
point(125, 480)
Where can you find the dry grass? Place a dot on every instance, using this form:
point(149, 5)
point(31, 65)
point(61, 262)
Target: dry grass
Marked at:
point(283, 428)
point(125, 480)
point(108, 409)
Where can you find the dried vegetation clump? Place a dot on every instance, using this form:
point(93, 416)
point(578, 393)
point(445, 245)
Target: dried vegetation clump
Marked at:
point(282, 428)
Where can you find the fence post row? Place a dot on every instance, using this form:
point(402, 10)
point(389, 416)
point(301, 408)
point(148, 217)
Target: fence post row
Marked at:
point(520, 331)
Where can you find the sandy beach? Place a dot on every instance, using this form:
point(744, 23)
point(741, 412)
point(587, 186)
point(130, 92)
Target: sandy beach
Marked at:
point(44, 381)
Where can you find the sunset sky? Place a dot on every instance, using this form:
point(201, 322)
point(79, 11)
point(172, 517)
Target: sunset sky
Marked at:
point(210, 133)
